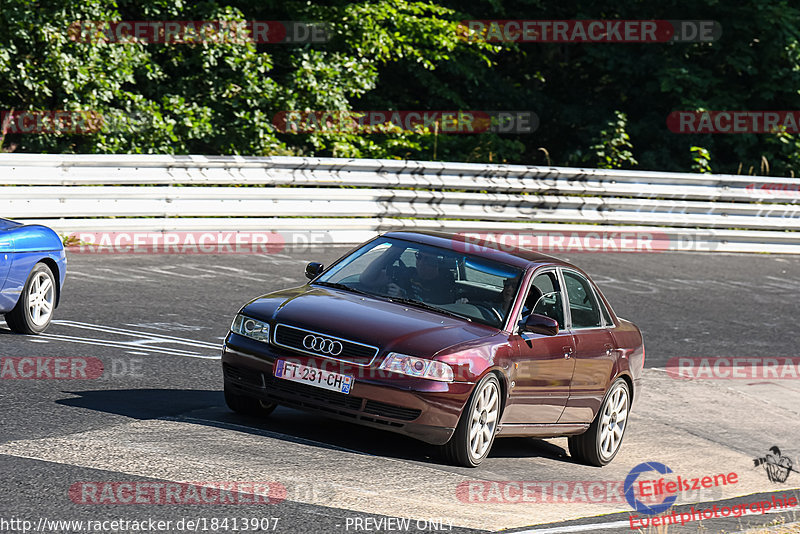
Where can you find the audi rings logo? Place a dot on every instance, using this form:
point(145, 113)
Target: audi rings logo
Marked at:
point(322, 345)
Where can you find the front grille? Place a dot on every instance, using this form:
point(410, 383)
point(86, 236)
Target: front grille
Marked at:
point(291, 337)
point(302, 395)
point(391, 411)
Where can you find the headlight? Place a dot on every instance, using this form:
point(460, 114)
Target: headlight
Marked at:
point(251, 328)
point(419, 367)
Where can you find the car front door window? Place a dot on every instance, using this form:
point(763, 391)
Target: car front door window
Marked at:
point(548, 301)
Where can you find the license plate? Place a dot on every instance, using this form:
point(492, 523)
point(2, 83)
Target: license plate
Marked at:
point(313, 377)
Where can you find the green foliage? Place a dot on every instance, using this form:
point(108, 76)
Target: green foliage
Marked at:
point(220, 98)
point(701, 160)
point(613, 147)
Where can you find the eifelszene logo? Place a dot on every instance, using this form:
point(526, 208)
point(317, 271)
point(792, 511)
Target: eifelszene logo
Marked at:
point(669, 489)
point(630, 484)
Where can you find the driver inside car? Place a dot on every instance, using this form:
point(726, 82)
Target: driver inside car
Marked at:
point(507, 298)
point(428, 281)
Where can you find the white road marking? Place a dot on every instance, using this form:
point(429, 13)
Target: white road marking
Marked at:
point(169, 327)
point(146, 342)
point(93, 276)
point(127, 345)
point(150, 336)
point(149, 274)
point(134, 274)
point(173, 273)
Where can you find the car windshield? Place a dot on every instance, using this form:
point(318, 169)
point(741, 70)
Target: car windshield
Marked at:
point(458, 284)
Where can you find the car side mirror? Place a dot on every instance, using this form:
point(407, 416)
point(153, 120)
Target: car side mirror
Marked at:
point(540, 324)
point(313, 269)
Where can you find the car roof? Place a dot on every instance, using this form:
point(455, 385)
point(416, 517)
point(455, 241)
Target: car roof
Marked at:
point(480, 247)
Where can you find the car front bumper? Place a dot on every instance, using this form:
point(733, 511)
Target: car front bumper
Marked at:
point(423, 409)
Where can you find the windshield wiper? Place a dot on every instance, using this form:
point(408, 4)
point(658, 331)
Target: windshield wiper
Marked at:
point(337, 285)
point(412, 302)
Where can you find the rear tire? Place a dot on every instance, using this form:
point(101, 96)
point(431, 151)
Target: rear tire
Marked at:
point(34, 309)
point(245, 405)
point(477, 427)
point(601, 442)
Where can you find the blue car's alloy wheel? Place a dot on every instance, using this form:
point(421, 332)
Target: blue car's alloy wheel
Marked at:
point(34, 310)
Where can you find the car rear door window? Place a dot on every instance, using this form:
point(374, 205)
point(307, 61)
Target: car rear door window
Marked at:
point(583, 305)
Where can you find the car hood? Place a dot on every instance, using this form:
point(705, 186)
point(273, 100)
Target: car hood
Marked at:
point(374, 321)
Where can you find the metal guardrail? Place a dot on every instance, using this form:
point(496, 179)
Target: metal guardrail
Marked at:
point(353, 199)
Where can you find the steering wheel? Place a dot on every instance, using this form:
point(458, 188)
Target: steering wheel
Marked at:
point(489, 312)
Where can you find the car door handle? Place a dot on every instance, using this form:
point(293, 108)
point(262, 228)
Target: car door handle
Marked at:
point(609, 348)
point(568, 350)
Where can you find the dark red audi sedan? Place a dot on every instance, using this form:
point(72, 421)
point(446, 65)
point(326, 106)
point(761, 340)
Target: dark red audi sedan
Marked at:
point(451, 343)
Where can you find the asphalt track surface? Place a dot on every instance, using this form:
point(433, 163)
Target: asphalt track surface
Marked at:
point(157, 413)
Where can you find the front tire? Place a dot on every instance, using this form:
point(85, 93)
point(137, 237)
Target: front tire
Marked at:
point(245, 405)
point(34, 309)
point(601, 442)
point(477, 427)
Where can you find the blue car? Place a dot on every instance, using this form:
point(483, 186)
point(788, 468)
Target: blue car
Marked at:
point(32, 271)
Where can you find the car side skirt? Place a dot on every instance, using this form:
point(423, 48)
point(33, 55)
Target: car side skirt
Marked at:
point(541, 430)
